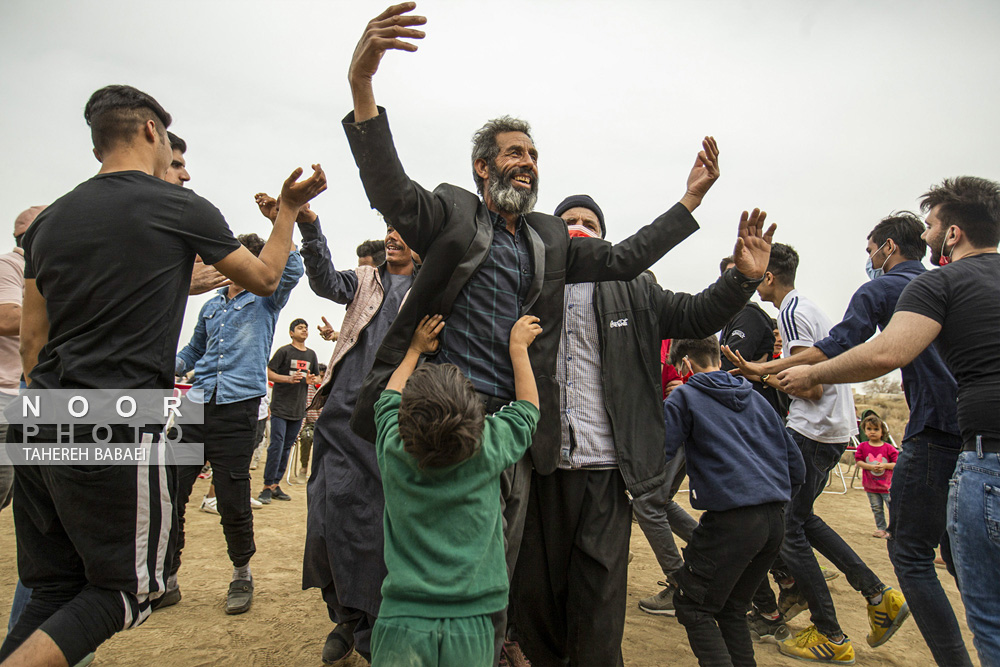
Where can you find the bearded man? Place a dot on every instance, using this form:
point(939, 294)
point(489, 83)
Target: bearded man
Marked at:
point(489, 261)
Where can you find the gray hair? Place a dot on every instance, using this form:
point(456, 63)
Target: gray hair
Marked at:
point(484, 142)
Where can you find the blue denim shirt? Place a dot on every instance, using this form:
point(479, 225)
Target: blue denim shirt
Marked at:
point(930, 390)
point(232, 341)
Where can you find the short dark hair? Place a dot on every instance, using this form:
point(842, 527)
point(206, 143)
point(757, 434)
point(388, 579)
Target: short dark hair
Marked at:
point(783, 263)
point(176, 143)
point(875, 419)
point(724, 264)
point(440, 416)
point(296, 322)
point(115, 113)
point(322, 369)
point(971, 204)
point(702, 351)
point(374, 248)
point(484, 142)
point(252, 242)
point(905, 228)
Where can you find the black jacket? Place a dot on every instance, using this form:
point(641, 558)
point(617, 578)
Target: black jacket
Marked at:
point(451, 230)
point(644, 314)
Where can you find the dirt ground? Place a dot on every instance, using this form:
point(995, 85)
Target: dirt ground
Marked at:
point(287, 626)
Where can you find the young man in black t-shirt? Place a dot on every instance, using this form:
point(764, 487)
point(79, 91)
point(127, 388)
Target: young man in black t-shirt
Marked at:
point(292, 369)
point(107, 272)
point(958, 308)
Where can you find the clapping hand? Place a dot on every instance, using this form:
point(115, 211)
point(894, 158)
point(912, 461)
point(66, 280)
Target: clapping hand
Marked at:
point(753, 244)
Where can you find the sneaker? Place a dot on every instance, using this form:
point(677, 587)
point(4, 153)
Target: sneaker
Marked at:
point(881, 533)
point(511, 655)
point(339, 644)
point(206, 472)
point(763, 629)
point(255, 504)
point(829, 574)
point(812, 645)
point(886, 616)
point(265, 497)
point(791, 603)
point(662, 603)
point(240, 596)
point(168, 599)
point(209, 505)
point(278, 494)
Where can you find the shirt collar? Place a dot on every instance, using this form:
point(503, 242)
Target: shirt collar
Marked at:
point(909, 265)
point(499, 222)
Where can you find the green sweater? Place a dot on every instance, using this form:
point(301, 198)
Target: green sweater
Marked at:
point(443, 526)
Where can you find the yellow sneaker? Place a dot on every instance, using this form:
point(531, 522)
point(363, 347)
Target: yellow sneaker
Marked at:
point(811, 645)
point(886, 617)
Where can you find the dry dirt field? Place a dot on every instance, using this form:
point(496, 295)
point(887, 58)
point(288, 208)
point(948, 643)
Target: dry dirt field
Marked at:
point(287, 626)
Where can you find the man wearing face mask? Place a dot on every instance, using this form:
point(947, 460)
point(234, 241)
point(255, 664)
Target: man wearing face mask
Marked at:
point(568, 594)
point(931, 443)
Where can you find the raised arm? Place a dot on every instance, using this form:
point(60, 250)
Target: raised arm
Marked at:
point(262, 275)
point(381, 34)
point(521, 336)
point(424, 341)
point(590, 260)
point(907, 335)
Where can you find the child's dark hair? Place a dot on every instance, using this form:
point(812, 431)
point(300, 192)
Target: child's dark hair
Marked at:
point(702, 351)
point(874, 419)
point(440, 416)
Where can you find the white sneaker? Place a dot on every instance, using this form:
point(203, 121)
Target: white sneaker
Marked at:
point(255, 504)
point(209, 505)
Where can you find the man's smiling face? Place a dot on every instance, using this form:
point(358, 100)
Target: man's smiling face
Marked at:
point(512, 183)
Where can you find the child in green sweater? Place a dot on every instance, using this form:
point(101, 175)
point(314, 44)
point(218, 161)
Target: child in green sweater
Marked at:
point(441, 459)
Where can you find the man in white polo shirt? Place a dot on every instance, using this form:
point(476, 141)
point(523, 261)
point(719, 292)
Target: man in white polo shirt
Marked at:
point(821, 422)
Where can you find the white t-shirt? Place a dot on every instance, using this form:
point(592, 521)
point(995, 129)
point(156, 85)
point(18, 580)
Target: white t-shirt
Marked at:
point(11, 291)
point(832, 418)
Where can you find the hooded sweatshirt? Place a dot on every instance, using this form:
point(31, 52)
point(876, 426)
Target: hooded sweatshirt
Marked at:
point(738, 452)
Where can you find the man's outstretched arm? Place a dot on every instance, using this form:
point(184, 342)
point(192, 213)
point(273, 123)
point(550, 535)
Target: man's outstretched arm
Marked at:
point(907, 335)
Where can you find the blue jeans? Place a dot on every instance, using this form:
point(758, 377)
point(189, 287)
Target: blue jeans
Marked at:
point(880, 506)
point(917, 525)
point(283, 434)
point(804, 531)
point(974, 528)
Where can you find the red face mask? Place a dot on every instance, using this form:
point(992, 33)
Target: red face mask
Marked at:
point(579, 231)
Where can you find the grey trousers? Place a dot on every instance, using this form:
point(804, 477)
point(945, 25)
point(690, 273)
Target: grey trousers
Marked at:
point(660, 518)
point(515, 484)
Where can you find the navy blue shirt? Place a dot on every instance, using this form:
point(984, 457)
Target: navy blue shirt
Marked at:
point(930, 390)
point(477, 335)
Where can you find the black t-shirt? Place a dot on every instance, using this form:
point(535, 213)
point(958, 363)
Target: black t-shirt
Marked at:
point(964, 297)
point(113, 261)
point(288, 400)
point(749, 332)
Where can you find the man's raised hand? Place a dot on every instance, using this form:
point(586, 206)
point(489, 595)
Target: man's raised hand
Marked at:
point(297, 193)
point(748, 369)
point(753, 244)
point(326, 330)
point(704, 174)
point(381, 34)
point(267, 204)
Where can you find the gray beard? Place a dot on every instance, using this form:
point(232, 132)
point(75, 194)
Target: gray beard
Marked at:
point(511, 199)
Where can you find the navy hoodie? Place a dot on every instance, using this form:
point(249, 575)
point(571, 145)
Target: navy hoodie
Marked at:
point(738, 452)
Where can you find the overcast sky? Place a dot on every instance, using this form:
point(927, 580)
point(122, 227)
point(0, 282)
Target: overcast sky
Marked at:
point(828, 115)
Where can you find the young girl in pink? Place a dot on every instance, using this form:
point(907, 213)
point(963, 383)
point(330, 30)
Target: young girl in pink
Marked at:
point(877, 458)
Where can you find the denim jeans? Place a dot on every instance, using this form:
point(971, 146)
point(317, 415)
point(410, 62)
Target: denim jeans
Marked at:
point(283, 434)
point(916, 527)
point(804, 530)
point(660, 517)
point(880, 507)
point(974, 528)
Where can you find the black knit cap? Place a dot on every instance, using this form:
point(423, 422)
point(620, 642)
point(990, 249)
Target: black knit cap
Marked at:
point(584, 201)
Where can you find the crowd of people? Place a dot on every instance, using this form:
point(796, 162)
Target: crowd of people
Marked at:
point(495, 410)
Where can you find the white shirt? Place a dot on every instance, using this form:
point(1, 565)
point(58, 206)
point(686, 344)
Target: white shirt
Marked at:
point(831, 419)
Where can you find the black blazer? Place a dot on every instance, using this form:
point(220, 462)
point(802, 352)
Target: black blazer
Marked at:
point(450, 230)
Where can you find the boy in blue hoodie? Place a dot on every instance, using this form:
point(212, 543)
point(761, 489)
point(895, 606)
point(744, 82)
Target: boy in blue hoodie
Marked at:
point(742, 467)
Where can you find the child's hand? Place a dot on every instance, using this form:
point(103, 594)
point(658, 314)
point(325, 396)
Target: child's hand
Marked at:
point(425, 338)
point(524, 331)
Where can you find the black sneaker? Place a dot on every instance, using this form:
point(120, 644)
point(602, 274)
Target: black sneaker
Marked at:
point(168, 599)
point(265, 496)
point(763, 629)
point(240, 596)
point(791, 603)
point(278, 494)
point(339, 643)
